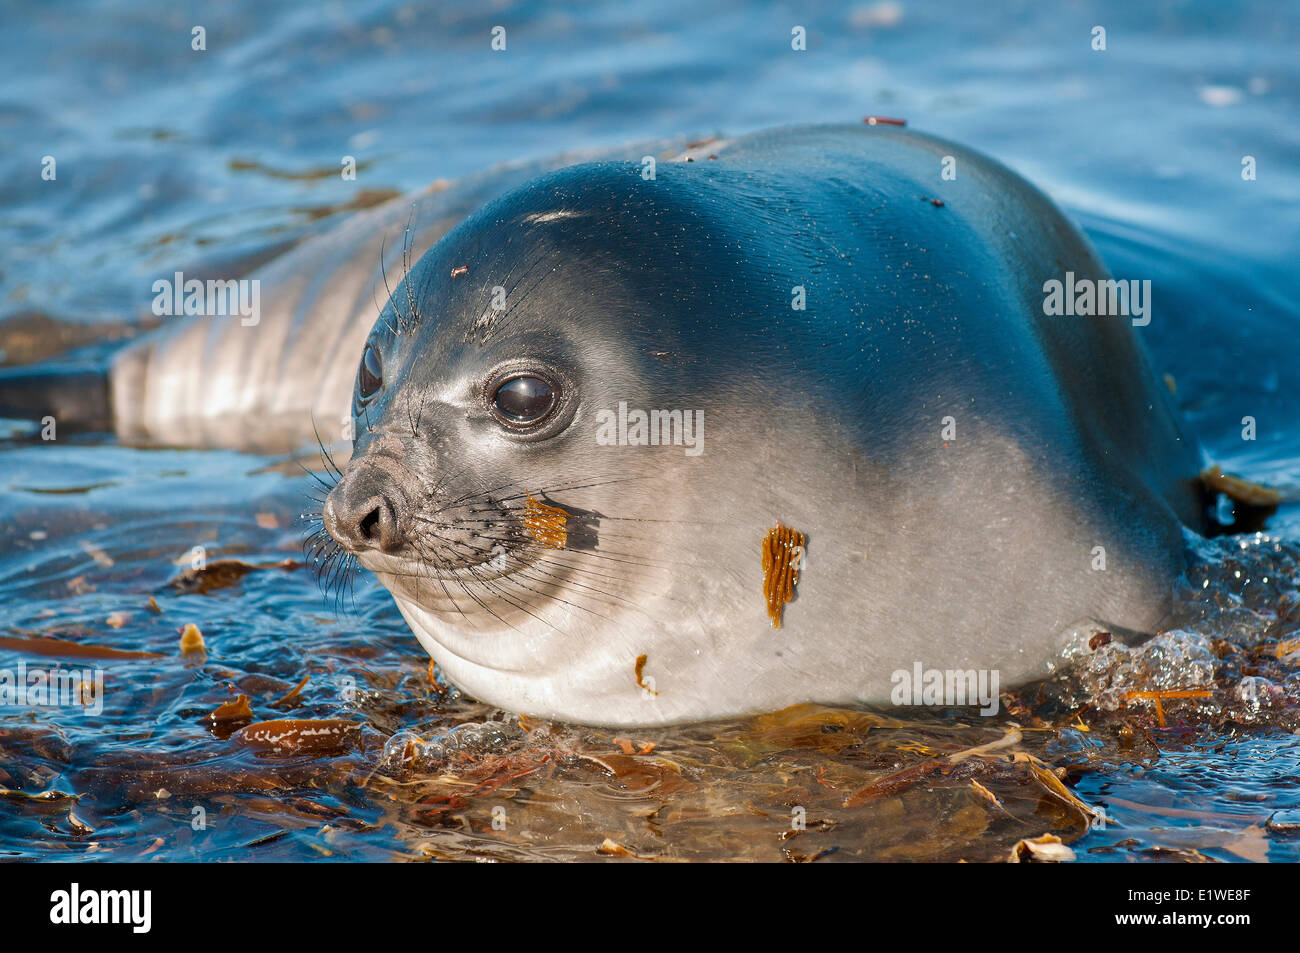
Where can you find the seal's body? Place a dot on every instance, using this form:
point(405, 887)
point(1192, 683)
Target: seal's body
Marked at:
point(601, 423)
point(816, 346)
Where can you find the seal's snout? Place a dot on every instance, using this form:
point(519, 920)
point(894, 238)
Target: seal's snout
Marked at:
point(361, 516)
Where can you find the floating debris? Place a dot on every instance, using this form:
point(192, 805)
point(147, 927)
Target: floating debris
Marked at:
point(300, 735)
point(1158, 696)
point(97, 553)
point(290, 699)
point(38, 645)
point(984, 793)
point(236, 710)
point(1285, 822)
point(221, 575)
point(192, 640)
point(1047, 849)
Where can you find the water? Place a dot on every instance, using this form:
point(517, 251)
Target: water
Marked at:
point(211, 162)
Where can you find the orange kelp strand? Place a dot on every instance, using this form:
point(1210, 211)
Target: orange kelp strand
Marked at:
point(290, 699)
point(38, 645)
point(546, 524)
point(236, 709)
point(782, 553)
point(1157, 696)
point(640, 678)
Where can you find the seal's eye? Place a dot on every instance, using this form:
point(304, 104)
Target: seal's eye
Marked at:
point(370, 377)
point(524, 400)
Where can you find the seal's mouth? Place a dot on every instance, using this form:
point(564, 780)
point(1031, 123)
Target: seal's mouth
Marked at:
point(491, 565)
point(459, 541)
point(478, 558)
point(504, 545)
point(485, 540)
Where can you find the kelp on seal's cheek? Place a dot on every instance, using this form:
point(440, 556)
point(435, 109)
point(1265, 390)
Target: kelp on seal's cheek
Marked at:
point(546, 524)
point(782, 554)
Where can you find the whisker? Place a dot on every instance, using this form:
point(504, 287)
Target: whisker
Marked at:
point(630, 558)
point(534, 565)
point(412, 312)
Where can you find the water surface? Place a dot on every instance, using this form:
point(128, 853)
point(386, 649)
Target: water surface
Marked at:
point(212, 162)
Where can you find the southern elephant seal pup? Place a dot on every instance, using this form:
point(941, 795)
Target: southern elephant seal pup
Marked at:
point(844, 380)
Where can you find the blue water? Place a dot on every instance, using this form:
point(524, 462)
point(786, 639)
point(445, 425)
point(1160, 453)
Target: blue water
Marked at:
point(174, 159)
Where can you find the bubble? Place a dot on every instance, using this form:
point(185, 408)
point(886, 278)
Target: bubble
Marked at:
point(1171, 661)
point(1255, 693)
point(408, 751)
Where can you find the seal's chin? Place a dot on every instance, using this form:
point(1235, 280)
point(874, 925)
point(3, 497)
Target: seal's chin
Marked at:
point(576, 677)
point(596, 673)
point(400, 571)
point(497, 595)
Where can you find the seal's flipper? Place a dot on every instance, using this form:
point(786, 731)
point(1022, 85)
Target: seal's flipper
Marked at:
point(74, 394)
point(1252, 503)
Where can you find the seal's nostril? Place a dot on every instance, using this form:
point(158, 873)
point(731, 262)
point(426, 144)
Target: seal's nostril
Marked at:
point(369, 526)
point(375, 524)
point(362, 521)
